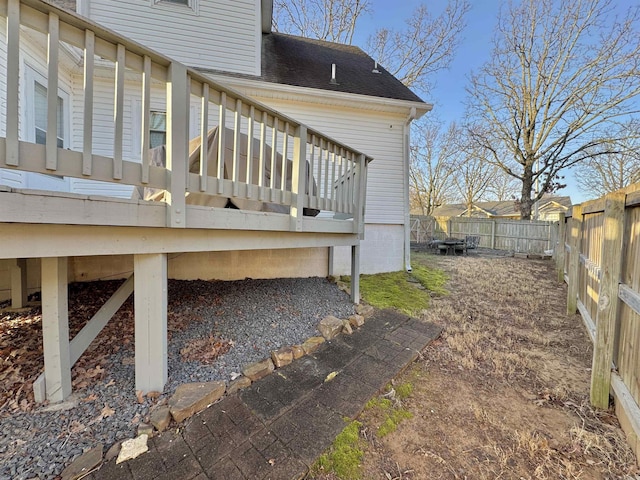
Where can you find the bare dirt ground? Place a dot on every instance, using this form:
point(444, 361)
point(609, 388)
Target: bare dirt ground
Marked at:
point(503, 394)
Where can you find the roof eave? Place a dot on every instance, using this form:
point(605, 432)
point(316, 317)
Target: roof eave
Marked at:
point(321, 95)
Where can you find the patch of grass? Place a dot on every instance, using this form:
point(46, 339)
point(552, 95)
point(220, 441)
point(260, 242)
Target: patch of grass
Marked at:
point(392, 421)
point(379, 402)
point(403, 291)
point(389, 411)
point(404, 390)
point(345, 455)
point(432, 279)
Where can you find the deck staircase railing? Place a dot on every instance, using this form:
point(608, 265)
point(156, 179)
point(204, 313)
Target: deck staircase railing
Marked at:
point(316, 172)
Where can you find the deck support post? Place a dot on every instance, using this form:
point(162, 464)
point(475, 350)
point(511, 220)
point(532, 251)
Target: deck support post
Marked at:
point(150, 301)
point(55, 329)
point(355, 273)
point(608, 302)
point(18, 283)
point(574, 259)
point(330, 261)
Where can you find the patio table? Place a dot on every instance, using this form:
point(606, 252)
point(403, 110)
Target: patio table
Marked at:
point(449, 245)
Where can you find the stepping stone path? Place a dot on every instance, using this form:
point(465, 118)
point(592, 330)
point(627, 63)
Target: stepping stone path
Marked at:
point(278, 426)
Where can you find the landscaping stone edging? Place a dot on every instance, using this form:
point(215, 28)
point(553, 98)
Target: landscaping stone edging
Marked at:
point(190, 399)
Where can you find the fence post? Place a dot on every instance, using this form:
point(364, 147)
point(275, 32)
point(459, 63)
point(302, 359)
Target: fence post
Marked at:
point(560, 248)
point(493, 235)
point(608, 302)
point(574, 259)
point(449, 226)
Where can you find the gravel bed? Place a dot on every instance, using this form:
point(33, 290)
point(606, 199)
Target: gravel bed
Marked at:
point(258, 316)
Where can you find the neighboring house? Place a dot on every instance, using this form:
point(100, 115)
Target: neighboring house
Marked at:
point(295, 142)
point(549, 208)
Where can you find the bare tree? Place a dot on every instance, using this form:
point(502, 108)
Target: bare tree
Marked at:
point(426, 45)
point(607, 172)
point(474, 175)
point(503, 187)
point(331, 20)
point(431, 169)
point(561, 72)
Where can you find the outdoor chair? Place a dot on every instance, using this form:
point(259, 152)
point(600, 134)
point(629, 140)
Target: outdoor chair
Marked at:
point(471, 242)
point(434, 243)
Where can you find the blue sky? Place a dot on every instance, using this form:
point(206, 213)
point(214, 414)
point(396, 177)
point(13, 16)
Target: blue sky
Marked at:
point(449, 93)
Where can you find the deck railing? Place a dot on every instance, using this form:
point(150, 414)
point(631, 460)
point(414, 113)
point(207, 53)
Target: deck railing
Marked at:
point(273, 158)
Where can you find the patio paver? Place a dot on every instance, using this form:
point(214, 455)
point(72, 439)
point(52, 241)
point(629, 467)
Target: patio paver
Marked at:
point(277, 428)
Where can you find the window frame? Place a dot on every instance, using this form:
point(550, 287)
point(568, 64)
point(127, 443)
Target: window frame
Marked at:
point(189, 6)
point(29, 131)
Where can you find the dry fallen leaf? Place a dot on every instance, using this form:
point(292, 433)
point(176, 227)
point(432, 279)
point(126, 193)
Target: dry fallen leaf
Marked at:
point(91, 398)
point(76, 427)
point(153, 395)
point(331, 376)
point(107, 411)
point(140, 396)
point(111, 383)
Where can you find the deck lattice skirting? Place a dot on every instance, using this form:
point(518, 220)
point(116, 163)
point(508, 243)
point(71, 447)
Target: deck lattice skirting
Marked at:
point(260, 157)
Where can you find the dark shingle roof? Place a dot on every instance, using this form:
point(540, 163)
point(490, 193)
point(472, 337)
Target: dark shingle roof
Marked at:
point(304, 62)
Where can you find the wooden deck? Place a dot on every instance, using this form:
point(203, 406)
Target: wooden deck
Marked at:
point(315, 172)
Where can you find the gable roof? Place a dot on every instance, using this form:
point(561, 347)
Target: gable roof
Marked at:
point(305, 62)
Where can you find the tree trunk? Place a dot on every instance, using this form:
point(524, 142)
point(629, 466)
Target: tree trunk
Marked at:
point(526, 202)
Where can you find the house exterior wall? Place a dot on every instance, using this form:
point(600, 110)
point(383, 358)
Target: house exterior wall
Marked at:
point(215, 34)
point(380, 135)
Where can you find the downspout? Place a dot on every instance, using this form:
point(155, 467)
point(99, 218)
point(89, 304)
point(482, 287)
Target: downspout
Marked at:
point(407, 218)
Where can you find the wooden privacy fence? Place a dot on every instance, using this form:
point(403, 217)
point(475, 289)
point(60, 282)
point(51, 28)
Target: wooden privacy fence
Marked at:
point(602, 269)
point(522, 236)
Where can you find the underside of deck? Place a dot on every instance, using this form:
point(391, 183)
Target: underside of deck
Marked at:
point(53, 227)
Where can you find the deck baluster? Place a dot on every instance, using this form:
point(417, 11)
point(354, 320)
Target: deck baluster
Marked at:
point(13, 81)
point(145, 116)
point(87, 133)
point(118, 113)
point(222, 129)
point(53, 49)
point(298, 176)
point(235, 175)
point(204, 137)
point(263, 155)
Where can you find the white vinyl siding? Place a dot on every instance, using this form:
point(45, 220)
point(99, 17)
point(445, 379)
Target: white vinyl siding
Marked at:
point(376, 134)
point(222, 35)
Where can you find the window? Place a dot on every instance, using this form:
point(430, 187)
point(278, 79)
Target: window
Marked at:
point(192, 6)
point(40, 116)
point(33, 129)
point(157, 129)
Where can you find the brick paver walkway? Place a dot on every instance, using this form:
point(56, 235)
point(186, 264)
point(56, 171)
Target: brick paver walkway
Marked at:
point(279, 426)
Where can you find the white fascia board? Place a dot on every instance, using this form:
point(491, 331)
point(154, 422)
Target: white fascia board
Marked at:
point(325, 97)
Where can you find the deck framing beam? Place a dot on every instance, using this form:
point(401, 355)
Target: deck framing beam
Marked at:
point(45, 240)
